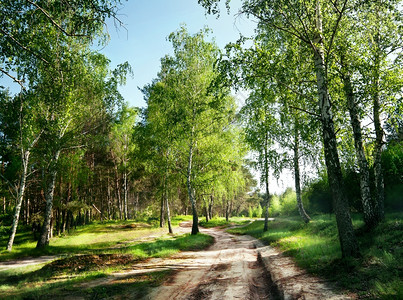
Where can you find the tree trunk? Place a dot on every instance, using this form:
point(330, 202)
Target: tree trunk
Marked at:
point(301, 209)
point(162, 212)
point(227, 211)
point(266, 179)
point(368, 209)
point(195, 225)
point(210, 207)
point(125, 194)
point(58, 221)
point(137, 204)
point(20, 197)
point(378, 169)
point(167, 206)
point(348, 242)
point(64, 220)
point(45, 232)
point(206, 207)
point(118, 192)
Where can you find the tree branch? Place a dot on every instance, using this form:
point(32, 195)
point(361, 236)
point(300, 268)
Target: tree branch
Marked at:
point(13, 78)
point(22, 46)
point(335, 30)
point(305, 111)
point(54, 22)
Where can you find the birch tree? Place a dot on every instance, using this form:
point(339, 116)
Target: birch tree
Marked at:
point(305, 21)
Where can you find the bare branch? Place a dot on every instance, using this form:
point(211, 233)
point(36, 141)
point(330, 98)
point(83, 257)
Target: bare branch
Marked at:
point(13, 78)
point(335, 30)
point(305, 111)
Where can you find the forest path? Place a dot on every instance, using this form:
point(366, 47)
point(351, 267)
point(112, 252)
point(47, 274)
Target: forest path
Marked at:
point(229, 269)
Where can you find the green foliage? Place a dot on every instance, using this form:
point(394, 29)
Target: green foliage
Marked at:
point(319, 196)
point(222, 222)
point(250, 212)
point(288, 203)
point(258, 211)
point(392, 159)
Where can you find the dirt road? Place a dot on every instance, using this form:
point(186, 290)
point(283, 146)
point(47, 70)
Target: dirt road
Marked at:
point(229, 269)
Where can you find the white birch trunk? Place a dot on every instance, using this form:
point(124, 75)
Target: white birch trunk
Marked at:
point(45, 232)
point(348, 242)
point(25, 160)
point(195, 226)
point(368, 210)
point(300, 205)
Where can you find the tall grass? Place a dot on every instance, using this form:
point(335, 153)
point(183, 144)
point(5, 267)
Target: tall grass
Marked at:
point(315, 247)
point(61, 277)
point(84, 239)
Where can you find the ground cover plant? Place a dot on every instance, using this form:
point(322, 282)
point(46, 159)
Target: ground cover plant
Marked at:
point(314, 246)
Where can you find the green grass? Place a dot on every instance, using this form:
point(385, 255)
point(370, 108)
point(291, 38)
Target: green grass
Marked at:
point(135, 287)
point(61, 277)
point(221, 222)
point(315, 247)
point(85, 239)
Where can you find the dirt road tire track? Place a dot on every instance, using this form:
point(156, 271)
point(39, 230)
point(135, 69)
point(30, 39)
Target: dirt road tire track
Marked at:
point(229, 269)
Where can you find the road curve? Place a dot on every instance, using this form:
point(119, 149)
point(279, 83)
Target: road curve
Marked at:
point(229, 269)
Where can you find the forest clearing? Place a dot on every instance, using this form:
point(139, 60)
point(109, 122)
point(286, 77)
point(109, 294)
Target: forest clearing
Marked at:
point(254, 151)
point(144, 263)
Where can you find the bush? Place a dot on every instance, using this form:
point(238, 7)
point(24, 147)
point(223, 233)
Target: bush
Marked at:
point(275, 207)
point(288, 202)
point(258, 211)
point(250, 212)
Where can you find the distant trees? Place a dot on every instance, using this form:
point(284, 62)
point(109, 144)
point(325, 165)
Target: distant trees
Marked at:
point(190, 126)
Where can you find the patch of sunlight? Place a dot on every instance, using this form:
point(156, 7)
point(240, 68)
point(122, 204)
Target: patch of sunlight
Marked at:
point(165, 252)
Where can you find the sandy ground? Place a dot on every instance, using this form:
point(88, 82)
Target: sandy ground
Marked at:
point(25, 262)
point(234, 267)
point(30, 261)
point(229, 269)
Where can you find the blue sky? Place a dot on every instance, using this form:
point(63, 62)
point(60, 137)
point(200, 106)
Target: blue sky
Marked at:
point(148, 23)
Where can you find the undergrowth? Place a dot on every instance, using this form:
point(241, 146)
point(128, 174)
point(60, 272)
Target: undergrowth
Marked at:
point(63, 276)
point(315, 247)
point(90, 238)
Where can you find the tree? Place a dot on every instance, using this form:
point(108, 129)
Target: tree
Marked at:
point(20, 126)
point(305, 22)
point(68, 102)
point(25, 25)
point(189, 123)
point(259, 119)
point(122, 145)
point(380, 43)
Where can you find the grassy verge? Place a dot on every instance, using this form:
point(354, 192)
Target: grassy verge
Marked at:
point(221, 222)
point(84, 239)
point(315, 247)
point(64, 276)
